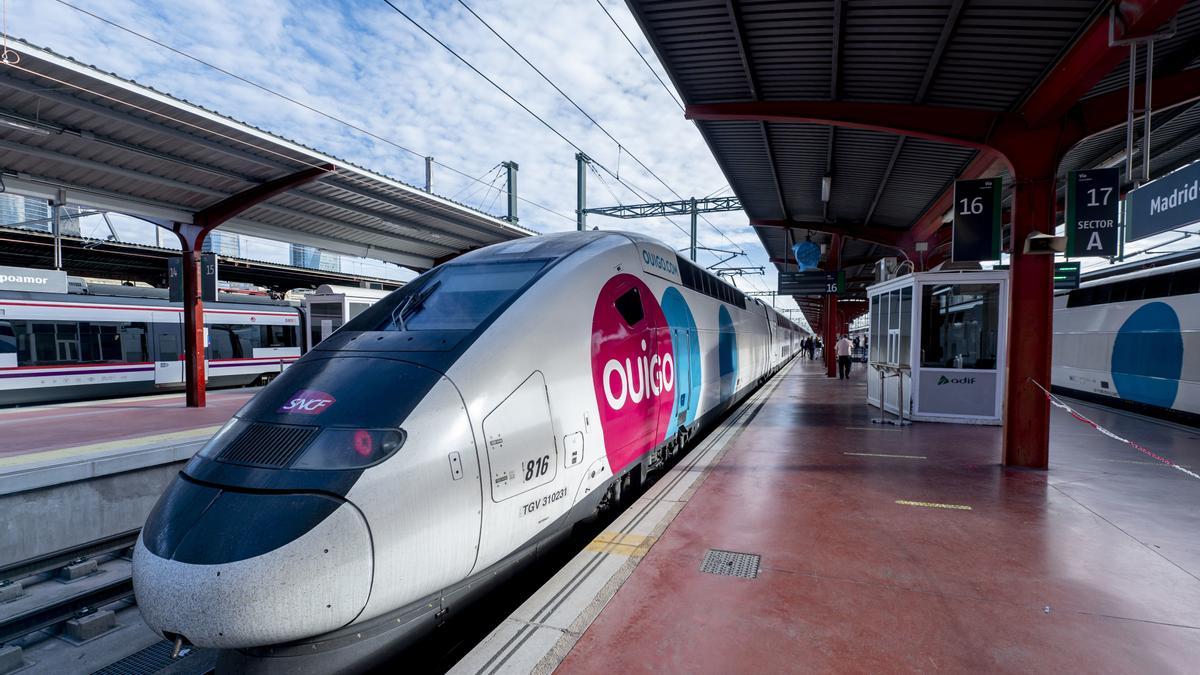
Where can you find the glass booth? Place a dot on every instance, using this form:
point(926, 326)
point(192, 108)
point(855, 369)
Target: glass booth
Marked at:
point(941, 338)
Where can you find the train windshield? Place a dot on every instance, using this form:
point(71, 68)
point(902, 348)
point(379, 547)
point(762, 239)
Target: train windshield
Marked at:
point(454, 297)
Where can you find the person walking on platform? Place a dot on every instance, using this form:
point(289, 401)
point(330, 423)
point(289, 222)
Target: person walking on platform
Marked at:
point(843, 357)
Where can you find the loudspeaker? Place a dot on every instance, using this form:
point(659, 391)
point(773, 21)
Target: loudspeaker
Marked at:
point(1046, 244)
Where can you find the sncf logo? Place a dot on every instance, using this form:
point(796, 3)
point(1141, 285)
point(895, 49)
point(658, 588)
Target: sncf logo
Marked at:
point(957, 380)
point(655, 376)
point(307, 402)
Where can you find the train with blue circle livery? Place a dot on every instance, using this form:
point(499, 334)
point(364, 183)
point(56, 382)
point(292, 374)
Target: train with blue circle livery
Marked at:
point(1132, 340)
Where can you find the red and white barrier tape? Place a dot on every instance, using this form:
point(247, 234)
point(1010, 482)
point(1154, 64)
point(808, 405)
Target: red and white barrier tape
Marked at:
point(1054, 401)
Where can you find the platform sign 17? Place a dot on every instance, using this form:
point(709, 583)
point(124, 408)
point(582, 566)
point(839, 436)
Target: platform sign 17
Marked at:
point(976, 220)
point(1093, 203)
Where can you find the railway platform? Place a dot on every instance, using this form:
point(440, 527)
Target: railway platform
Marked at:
point(884, 549)
point(87, 470)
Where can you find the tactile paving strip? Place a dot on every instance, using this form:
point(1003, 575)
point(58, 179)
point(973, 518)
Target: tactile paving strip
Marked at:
point(731, 564)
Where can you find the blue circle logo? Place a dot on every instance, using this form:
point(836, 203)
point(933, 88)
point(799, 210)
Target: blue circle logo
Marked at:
point(1147, 355)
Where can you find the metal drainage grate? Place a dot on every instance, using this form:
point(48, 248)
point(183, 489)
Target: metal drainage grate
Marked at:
point(731, 564)
point(150, 660)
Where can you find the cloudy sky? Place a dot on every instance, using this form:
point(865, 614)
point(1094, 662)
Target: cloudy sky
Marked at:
point(361, 61)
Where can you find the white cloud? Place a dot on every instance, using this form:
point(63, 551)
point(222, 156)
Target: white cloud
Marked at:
point(363, 62)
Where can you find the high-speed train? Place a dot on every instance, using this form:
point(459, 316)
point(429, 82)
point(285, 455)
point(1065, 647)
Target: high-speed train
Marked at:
point(417, 457)
point(122, 341)
point(1133, 340)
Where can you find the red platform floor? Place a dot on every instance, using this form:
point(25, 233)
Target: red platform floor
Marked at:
point(25, 431)
point(1090, 567)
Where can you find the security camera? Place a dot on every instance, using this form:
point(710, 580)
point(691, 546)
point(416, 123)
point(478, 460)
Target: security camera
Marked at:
point(1046, 244)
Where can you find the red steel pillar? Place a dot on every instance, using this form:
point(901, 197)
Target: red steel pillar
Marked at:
point(193, 322)
point(1030, 307)
point(191, 239)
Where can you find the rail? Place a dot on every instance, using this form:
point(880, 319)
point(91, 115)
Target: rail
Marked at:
point(65, 609)
point(69, 607)
point(51, 561)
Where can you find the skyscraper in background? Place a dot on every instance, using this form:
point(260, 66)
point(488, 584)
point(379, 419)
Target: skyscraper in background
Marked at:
point(315, 258)
point(223, 243)
point(16, 210)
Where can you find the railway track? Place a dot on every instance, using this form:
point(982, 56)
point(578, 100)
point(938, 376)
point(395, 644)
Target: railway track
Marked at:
point(103, 581)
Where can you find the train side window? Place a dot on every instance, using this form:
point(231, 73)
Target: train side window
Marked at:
point(1158, 286)
point(1185, 282)
point(630, 307)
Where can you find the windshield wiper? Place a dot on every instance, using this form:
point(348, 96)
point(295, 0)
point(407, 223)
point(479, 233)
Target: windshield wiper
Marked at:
point(412, 303)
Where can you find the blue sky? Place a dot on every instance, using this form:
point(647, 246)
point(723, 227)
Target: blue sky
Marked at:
point(361, 61)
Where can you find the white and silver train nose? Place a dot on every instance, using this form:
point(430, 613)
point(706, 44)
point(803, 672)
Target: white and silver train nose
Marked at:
point(299, 565)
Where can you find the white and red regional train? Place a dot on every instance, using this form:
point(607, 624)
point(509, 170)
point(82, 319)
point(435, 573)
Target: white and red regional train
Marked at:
point(427, 449)
point(119, 341)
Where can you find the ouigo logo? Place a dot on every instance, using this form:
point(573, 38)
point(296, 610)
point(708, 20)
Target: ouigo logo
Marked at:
point(307, 402)
point(633, 368)
point(957, 380)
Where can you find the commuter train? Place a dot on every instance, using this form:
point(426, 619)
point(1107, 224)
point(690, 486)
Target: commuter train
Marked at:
point(421, 454)
point(119, 341)
point(1133, 341)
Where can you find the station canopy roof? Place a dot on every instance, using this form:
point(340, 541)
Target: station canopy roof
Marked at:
point(983, 54)
point(116, 145)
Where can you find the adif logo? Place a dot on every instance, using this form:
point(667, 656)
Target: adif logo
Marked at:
point(957, 380)
point(655, 376)
point(307, 402)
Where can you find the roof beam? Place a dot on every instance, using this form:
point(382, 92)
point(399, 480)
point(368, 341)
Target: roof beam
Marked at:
point(341, 184)
point(208, 192)
point(213, 215)
point(1090, 57)
point(766, 137)
point(739, 36)
point(935, 60)
point(878, 235)
point(961, 126)
point(140, 122)
point(386, 218)
point(1104, 112)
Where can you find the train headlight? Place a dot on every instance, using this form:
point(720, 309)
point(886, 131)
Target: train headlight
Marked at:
point(339, 448)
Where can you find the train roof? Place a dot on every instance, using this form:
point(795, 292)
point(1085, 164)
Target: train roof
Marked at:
point(1142, 272)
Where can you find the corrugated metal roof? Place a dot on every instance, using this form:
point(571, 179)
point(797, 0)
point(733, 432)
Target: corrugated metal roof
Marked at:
point(987, 54)
point(116, 144)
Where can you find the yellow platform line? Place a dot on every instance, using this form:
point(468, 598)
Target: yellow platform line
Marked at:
point(881, 454)
point(631, 545)
point(932, 505)
point(191, 435)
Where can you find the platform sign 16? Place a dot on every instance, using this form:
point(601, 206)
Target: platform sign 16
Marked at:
point(1093, 203)
point(976, 220)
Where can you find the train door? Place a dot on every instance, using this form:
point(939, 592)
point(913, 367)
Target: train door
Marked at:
point(681, 338)
point(168, 350)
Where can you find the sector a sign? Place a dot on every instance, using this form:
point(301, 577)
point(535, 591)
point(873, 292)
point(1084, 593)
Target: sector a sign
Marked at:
point(976, 220)
point(1093, 205)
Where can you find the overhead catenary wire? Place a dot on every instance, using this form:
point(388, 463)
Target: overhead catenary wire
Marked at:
point(287, 98)
point(620, 146)
point(640, 55)
point(533, 114)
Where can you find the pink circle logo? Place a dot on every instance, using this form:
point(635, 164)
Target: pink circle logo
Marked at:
point(633, 369)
